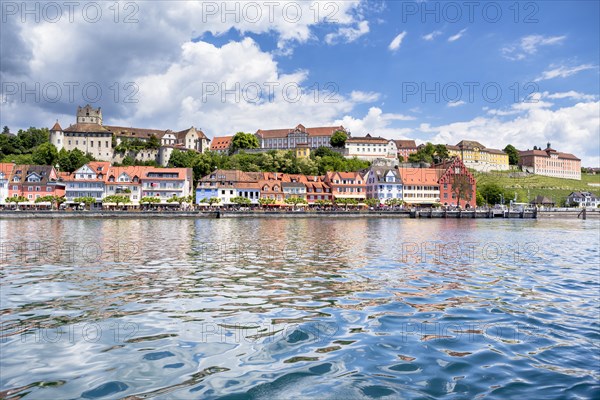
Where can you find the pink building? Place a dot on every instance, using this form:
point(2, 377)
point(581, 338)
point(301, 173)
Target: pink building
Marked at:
point(550, 162)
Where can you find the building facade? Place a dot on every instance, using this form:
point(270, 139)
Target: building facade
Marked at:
point(420, 185)
point(290, 138)
point(110, 143)
point(6, 170)
point(346, 185)
point(406, 148)
point(370, 148)
point(35, 181)
point(478, 157)
point(457, 185)
point(583, 200)
point(221, 144)
point(383, 183)
point(87, 181)
point(550, 162)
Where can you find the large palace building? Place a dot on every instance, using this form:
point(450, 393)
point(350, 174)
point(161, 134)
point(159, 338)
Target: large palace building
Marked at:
point(114, 143)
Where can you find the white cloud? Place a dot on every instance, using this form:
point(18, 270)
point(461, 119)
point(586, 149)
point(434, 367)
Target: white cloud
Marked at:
point(570, 95)
point(348, 34)
point(395, 44)
point(432, 35)
point(563, 71)
point(364, 97)
point(169, 68)
point(529, 45)
point(377, 123)
point(573, 129)
point(460, 34)
point(456, 103)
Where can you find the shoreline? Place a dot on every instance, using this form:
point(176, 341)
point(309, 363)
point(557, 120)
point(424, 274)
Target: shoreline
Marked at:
point(492, 214)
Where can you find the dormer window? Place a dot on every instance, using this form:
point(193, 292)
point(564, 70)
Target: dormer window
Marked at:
point(16, 179)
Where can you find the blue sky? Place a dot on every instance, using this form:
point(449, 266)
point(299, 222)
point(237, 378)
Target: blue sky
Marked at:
point(378, 56)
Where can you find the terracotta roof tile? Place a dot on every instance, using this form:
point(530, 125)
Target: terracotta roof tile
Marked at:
point(403, 144)
point(220, 143)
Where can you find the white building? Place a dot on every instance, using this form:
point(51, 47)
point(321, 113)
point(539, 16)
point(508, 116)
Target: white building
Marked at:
point(371, 148)
point(420, 185)
point(5, 172)
point(109, 143)
point(87, 181)
point(583, 199)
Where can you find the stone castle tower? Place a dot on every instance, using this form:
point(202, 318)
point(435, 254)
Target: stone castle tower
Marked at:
point(88, 115)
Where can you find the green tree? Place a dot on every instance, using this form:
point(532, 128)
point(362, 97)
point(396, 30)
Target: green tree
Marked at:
point(322, 203)
point(338, 139)
point(372, 202)
point(323, 152)
point(243, 140)
point(241, 201)
point(17, 200)
point(513, 154)
point(117, 199)
point(45, 154)
point(492, 193)
point(440, 153)
point(5, 130)
point(87, 200)
point(153, 142)
point(266, 201)
point(213, 200)
point(149, 200)
point(394, 202)
point(295, 201)
point(182, 159)
point(128, 161)
point(53, 200)
point(346, 202)
point(462, 188)
point(429, 153)
point(480, 200)
point(70, 161)
point(31, 138)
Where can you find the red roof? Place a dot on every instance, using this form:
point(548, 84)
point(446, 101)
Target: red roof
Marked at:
point(543, 153)
point(406, 144)
point(56, 127)
point(221, 143)
point(419, 176)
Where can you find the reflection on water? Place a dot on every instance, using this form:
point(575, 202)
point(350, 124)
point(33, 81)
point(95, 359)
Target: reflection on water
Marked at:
point(288, 308)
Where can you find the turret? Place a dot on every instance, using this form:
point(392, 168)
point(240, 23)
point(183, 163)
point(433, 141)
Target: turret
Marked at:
point(57, 136)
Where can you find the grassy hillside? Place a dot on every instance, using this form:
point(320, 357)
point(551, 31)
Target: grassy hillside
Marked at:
point(527, 188)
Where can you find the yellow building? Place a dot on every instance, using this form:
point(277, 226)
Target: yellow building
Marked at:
point(478, 157)
point(302, 151)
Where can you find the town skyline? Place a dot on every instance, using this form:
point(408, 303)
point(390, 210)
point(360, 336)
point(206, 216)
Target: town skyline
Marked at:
point(528, 77)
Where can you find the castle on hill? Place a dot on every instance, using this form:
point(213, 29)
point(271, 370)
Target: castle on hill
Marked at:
point(114, 143)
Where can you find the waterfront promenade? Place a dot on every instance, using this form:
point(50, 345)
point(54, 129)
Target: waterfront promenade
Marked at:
point(419, 214)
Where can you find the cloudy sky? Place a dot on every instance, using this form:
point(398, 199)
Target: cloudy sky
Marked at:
point(498, 72)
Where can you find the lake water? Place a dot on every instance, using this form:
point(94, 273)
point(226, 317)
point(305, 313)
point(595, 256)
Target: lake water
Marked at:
point(299, 308)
